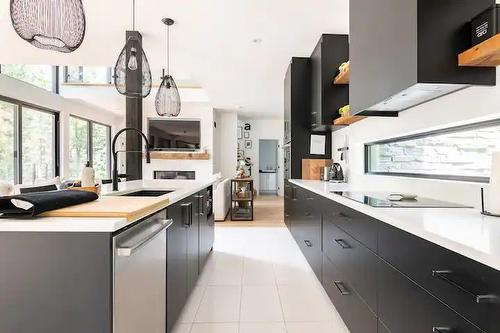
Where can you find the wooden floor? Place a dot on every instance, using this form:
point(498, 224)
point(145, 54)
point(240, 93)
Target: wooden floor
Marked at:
point(268, 211)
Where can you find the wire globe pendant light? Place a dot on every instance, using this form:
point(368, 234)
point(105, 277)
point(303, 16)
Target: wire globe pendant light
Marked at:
point(168, 100)
point(128, 60)
point(57, 25)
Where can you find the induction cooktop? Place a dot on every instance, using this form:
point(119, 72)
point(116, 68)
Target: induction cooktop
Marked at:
point(379, 200)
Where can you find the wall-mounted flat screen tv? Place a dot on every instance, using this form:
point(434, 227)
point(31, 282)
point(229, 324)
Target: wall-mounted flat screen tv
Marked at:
point(174, 135)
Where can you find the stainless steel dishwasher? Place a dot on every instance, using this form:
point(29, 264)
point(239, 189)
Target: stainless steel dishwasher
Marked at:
point(140, 259)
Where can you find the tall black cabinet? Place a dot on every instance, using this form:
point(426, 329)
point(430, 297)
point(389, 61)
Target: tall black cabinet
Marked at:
point(297, 116)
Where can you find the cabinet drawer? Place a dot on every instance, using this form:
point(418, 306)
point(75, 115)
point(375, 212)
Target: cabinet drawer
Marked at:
point(354, 312)
point(359, 226)
point(470, 288)
point(406, 307)
point(307, 233)
point(354, 259)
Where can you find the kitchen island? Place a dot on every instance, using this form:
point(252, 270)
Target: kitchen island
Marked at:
point(409, 270)
point(88, 269)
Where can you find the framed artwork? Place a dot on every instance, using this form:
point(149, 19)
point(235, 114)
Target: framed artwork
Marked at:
point(241, 154)
point(247, 135)
point(248, 144)
point(240, 132)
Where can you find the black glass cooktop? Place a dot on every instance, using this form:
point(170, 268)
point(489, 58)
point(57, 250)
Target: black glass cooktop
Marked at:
point(378, 200)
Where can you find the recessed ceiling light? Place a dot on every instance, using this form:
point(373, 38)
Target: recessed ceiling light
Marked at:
point(257, 40)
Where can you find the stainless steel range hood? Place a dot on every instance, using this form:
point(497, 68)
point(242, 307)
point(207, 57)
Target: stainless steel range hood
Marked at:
point(415, 95)
point(405, 52)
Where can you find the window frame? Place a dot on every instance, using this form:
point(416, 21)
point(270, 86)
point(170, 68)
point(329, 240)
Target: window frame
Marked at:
point(453, 129)
point(90, 141)
point(109, 77)
point(18, 131)
point(55, 80)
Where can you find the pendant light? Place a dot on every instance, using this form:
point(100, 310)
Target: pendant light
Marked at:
point(168, 100)
point(128, 60)
point(57, 25)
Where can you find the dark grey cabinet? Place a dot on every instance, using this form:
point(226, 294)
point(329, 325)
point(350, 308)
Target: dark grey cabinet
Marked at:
point(326, 99)
point(297, 113)
point(356, 315)
point(56, 282)
point(190, 241)
point(177, 263)
point(382, 279)
point(207, 224)
point(406, 307)
point(305, 225)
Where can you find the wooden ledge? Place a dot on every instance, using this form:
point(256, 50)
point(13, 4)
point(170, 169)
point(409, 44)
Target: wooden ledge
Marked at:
point(348, 120)
point(164, 155)
point(485, 54)
point(342, 78)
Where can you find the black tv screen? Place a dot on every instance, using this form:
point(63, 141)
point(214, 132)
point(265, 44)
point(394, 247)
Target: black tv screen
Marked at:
point(167, 134)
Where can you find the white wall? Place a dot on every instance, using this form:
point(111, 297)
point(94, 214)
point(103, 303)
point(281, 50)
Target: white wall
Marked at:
point(16, 89)
point(190, 110)
point(271, 129)
point(469, 105)
point(225, 143)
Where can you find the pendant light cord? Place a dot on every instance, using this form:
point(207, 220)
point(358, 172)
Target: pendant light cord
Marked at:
point(133, 15)
point(168, 50)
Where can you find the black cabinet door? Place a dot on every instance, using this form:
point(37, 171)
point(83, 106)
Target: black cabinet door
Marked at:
point(355, 313)
point(354, 259)
point(193, 241)
point(406, 307)
point(470, 288)
point(207, 225)
point(177, 268)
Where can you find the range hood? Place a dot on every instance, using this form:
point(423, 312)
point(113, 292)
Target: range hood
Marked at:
point(405, 52)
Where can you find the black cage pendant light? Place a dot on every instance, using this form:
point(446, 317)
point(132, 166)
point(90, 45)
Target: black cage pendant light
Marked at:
point(168, 100)
point(129, 60)
point(57, 25)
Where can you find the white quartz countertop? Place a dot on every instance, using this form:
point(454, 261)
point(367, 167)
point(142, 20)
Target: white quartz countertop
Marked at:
point(181, 189)
point(462, 230)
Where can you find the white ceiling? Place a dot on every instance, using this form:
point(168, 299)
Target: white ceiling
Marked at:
point(211, 43)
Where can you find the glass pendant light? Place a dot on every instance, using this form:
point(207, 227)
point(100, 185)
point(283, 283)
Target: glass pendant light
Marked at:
point(168, 100)
point(128, 59)
point(57, 25)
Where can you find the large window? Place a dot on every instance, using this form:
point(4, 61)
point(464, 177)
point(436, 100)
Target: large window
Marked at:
point(89, 141)
point(8, 112)
point(28, 143)
point(459, 153)
point(43, 76)
point(87, 75)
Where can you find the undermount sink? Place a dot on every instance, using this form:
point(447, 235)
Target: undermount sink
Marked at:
point(146, 193)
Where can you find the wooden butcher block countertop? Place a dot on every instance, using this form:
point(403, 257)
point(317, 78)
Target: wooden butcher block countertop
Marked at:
point(131, 208)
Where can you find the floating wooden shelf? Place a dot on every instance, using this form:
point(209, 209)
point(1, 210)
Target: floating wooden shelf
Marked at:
point(485, 54)
point(342, 78)
point(347, 120)
point(163, 155)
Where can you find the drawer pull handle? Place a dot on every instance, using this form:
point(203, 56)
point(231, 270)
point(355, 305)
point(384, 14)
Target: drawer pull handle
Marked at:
point(308, 214)
point(441, 330)
point(480, 299)
point(308, 243)
point(344, 216)
point(343, 244)
point(309, 198)
point(342, 288)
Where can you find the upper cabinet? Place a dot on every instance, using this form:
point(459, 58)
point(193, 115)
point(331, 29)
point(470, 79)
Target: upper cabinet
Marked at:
point(326, 99)
point(404, 52)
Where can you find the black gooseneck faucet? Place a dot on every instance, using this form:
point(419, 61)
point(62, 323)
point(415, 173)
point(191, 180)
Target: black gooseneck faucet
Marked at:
point(115, 153)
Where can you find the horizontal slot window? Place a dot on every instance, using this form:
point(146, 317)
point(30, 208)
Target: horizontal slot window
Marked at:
point(458, 153)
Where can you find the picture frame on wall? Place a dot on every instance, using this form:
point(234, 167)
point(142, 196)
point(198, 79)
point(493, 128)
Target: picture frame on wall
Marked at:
point(247, 135)
point(241, 154)
point(240, 132)
point(248, 144)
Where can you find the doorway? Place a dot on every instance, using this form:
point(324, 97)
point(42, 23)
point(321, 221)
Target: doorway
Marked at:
point(268, 166)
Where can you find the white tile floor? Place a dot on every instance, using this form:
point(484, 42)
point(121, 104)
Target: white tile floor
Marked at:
point(258, 281)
